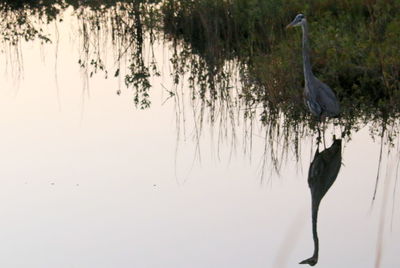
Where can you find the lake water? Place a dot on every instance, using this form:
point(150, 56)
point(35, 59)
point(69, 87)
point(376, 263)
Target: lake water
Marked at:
point(88, 180)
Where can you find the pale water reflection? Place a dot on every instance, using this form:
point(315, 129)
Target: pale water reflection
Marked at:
point(90, 181)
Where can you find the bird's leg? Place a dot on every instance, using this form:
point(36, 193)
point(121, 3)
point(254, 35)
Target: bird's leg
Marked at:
point(319, 132)
point(323, 133)
point(319, 136)
point(346, 132)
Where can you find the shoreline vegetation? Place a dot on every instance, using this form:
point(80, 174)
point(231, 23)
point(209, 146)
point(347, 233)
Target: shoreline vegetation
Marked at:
point(235, 55)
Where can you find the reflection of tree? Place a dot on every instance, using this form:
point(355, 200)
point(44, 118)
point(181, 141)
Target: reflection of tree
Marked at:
point(322, 174)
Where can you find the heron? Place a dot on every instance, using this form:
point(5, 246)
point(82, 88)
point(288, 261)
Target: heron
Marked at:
point(318, 97)
point(322, 174)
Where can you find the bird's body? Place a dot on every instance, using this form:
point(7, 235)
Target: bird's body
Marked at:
point(318, 97)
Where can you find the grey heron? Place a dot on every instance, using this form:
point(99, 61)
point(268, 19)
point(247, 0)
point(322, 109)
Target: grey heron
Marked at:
point(318, 97)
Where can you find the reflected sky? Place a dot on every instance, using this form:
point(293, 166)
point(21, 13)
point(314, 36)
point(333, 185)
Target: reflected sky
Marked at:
point(90, 181)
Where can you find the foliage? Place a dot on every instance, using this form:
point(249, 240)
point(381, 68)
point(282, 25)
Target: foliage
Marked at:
point(353, 46)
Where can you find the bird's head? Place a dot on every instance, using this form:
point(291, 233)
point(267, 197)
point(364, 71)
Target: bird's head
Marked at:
point(310, 261)
point(299, 20)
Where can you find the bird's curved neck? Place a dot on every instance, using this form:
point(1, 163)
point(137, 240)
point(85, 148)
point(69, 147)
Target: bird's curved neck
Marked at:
point(306, 53)
point(315, 207)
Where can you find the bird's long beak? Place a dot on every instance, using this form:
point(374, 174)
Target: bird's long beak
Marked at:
point(290, 25)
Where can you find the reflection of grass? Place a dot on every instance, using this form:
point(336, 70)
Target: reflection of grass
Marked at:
point(123, 25)
point(22, 22)
point(354, 46)
point(234, 59)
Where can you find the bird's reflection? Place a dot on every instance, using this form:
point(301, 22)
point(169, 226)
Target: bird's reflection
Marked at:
point(322, 174)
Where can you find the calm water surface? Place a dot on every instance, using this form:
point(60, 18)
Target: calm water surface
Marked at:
point(87, 180)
